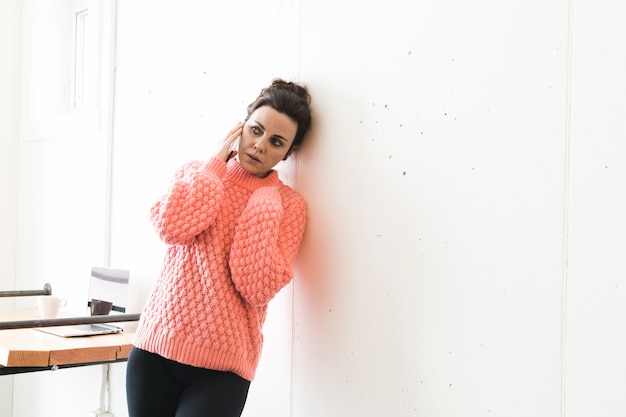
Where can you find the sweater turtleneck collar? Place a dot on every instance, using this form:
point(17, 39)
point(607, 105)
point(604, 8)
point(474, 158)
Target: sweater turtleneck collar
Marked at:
point(236, 173)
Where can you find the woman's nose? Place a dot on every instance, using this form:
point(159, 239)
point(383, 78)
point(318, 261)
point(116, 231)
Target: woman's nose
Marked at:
point(259, 145)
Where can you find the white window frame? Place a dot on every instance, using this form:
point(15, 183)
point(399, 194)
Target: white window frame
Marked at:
point(63, 79)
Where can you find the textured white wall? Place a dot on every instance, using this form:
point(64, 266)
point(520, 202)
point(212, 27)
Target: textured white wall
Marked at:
point(465, 183)
point(431, 281)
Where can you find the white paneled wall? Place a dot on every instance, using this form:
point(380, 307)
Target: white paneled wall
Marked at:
point(465, 183)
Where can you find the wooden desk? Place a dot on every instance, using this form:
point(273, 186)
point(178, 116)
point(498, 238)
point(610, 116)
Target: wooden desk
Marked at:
point(29, 350)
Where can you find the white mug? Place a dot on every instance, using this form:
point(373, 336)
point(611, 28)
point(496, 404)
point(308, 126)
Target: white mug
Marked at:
point(49, 306)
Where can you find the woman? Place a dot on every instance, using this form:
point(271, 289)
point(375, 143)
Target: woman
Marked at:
point(233, 230)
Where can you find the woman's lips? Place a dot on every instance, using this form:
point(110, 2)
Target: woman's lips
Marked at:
point(253, 158)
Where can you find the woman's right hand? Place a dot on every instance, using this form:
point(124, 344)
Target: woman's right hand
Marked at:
point(224, 153)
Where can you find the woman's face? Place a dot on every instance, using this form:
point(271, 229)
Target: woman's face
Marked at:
point(265, 140)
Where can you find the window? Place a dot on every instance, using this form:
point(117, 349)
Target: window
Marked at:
point(65, 78)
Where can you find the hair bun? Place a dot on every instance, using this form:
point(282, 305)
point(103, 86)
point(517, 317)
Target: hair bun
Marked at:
point(299, 90)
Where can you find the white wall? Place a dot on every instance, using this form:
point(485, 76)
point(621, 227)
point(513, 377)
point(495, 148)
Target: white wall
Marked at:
point(431, 278)
point(596, 295)
point(465, 183)
point(10, 35)
point(10, 18)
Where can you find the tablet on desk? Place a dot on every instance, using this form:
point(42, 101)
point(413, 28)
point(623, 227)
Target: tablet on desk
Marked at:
point(76, 330)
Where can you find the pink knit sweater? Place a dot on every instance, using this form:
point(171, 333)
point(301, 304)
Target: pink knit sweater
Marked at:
point(233, 239)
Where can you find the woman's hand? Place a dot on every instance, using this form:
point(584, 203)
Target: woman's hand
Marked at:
point(224, 152)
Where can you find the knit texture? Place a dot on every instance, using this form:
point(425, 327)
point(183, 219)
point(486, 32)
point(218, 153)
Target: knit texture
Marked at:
point(233, 239)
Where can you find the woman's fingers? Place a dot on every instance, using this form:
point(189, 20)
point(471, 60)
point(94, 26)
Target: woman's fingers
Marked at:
point(225, 152)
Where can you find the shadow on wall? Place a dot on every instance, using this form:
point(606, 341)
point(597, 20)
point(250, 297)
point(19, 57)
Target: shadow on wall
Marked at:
point(357, 273)
point(363, 211)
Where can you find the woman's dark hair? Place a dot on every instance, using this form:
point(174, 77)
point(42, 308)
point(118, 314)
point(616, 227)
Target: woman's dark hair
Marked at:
point(290, 99)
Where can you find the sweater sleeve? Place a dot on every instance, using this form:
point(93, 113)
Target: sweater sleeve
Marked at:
point(266, 242)
point(191, 203)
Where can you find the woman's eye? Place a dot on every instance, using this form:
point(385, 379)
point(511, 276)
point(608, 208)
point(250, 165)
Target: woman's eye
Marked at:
point(277, 142)
point(255, 130)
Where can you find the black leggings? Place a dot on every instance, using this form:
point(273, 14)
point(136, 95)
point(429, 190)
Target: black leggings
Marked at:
point(159, 387)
